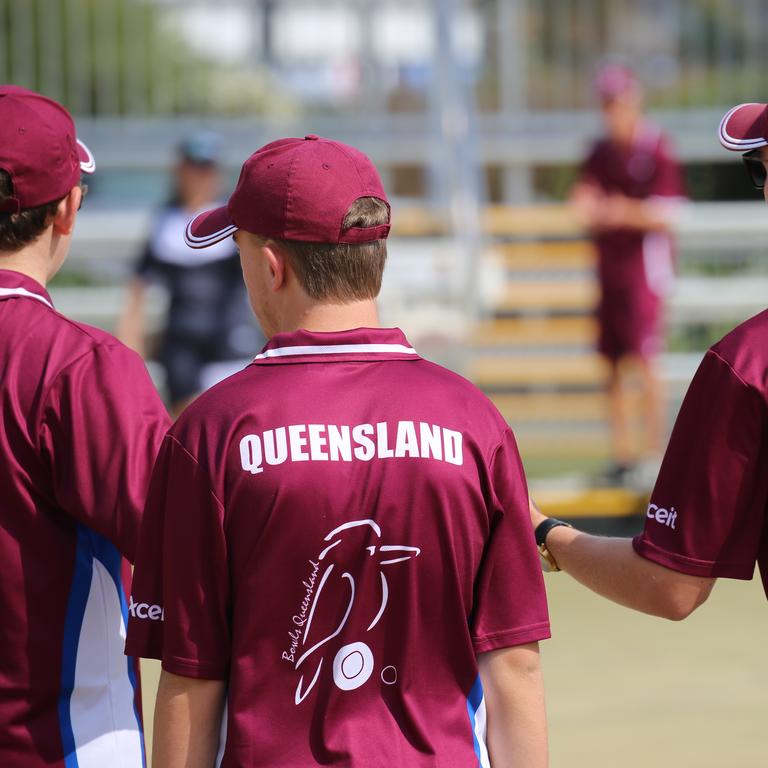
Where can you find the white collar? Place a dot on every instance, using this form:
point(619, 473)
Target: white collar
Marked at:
point(24, 292)
point(337, 349)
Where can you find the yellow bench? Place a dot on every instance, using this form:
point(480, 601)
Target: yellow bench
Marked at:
point(551, 256)
point(535, 331)
point(556, 407)
point(582, 370)
point(497, 220)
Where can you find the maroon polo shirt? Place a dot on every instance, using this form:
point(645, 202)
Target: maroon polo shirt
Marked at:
point(80, 425)
point(709, 509)
point(635, 268)
point(337, 531)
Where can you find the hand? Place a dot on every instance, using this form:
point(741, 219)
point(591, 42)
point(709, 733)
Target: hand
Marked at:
point(612, 212)
point(536, 515)
point(587, 205)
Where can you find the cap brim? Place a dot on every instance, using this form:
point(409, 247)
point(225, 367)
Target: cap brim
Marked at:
point(209, 228)
point(744, 127)
point(87, 160)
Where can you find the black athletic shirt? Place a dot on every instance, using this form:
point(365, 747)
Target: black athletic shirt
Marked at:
point(208, 301)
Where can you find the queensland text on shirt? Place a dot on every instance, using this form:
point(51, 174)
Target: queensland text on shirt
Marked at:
point(362, 442)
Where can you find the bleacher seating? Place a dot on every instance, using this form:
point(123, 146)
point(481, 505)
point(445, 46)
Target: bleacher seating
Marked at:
point(529, 341)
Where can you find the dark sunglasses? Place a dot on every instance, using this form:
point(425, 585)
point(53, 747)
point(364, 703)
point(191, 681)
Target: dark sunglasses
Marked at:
point(755, 168)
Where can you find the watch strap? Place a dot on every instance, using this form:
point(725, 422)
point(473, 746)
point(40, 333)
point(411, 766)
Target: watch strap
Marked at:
point(544, 527)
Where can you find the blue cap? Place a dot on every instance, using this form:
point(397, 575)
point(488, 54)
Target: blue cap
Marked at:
point(202, 148)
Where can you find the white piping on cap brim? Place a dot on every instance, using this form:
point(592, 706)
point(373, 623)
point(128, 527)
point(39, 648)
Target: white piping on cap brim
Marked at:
point(89, 165)
point(739, 145)
point(204, 242)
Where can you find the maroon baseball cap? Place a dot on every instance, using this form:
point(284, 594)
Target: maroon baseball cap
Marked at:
point(296, 189)
point(745, 127)
point(614, 80)
point(39, 149)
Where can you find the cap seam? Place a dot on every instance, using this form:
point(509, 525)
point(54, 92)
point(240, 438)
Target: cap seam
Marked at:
point(365, 188)
point(346, 154)
point(289, 189)
point(359, 179)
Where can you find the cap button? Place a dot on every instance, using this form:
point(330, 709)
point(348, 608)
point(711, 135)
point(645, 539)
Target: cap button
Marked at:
point(311, 137)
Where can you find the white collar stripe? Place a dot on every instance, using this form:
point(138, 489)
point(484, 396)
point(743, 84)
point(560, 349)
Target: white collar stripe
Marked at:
point(337, 349)
point(24, 292)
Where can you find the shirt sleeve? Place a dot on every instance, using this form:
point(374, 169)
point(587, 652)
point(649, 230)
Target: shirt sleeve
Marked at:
point(590, 172)
point(708, 507)
point(101, 428)
point(668, 177)
point(510, 605)
point(147, 266)
point(179, 605)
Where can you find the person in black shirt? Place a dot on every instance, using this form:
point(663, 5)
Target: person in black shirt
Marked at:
point(210, 332)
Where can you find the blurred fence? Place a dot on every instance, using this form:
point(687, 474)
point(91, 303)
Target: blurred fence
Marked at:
point(433, 90)
point(689, 52)
point(244, 57)
point(451, 93)
point(531, 344)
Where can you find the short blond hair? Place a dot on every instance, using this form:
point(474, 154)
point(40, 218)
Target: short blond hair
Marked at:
point(343, 272)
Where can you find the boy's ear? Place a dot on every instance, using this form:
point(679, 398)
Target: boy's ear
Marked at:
point(66, 213)
point(277, 263)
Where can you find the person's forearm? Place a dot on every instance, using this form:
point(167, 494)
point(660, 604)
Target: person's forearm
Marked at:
point(187, 722)
point(513, 687)
point(611, 567)
point(585, 201)
point(520, 739)
point(647, 215)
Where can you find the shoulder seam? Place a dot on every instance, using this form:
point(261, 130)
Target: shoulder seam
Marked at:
point(169, 436)
point(85, 330)
point(496, 448)
point(730, 367)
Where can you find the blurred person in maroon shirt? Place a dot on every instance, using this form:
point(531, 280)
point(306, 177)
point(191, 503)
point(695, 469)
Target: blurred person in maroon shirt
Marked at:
point(708, 513)
point(627, 195)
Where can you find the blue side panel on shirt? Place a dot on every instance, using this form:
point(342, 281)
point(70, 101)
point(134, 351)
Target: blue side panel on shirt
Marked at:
point(78, 597)
point(474, 700)
point(109, 556)
point(90, 546)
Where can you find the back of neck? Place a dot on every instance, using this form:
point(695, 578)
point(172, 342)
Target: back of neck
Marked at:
point(27, 263)
point(336, 317)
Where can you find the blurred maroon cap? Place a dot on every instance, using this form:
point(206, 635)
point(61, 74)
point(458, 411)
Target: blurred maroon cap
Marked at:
point(614, 80)
point(296, 189)
point(745, 127)
point(39, 149)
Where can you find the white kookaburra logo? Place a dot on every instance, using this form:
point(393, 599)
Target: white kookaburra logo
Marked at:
point(354, 662)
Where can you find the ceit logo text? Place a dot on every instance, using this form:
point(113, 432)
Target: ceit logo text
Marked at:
point(145, 611)
point(662, 515)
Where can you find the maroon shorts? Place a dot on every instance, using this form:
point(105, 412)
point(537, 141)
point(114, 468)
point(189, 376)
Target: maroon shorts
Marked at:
point(630, 323)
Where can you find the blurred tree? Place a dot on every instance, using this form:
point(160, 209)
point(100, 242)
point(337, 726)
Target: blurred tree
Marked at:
point(119, 57)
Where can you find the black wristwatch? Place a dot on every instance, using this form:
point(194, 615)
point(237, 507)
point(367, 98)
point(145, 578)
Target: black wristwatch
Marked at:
point(548, 562)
